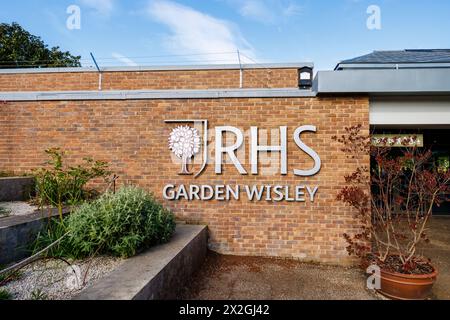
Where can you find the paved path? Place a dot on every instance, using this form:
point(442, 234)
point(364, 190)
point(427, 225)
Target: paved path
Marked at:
point(439, 252)
point(248, 278)
point(232, 277)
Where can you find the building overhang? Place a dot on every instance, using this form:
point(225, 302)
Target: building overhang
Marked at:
point(410, 111)
point(384, 82)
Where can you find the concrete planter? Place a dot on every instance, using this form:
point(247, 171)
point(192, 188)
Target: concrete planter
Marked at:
point(17, 233)
point(16, 188)
point(156, 274)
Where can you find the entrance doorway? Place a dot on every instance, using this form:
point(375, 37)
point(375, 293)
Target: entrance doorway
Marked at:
point(438, 140)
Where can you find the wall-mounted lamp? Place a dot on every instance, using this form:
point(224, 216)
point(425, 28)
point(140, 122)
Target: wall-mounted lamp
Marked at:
point(305, 76)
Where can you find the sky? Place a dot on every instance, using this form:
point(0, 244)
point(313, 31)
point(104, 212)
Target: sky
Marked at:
point(162, 32)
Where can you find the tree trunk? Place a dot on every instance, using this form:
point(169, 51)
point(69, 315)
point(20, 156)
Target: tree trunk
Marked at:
point(184, 165)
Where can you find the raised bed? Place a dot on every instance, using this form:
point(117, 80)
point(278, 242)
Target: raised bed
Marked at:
point(16, 188)
point(17, 233)
point(156, 273)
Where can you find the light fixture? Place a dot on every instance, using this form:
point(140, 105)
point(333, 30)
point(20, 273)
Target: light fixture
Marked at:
point(305, 75)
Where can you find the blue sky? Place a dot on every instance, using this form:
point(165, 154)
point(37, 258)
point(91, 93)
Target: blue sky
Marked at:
point(147, 32)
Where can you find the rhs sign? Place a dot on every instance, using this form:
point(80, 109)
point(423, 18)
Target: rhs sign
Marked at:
point(185, 143)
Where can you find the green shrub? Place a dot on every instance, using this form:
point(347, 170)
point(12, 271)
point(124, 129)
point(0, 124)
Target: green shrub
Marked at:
point(4, 294)
point(120, 224)
point(38, 294)
point(54, 231)
point(58, 184)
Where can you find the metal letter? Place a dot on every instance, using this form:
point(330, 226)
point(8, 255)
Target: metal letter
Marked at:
point(220, 149)
point(255, 148)
point(308, 151)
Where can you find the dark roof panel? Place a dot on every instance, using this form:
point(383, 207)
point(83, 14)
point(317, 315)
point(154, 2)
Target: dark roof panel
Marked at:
point(403, 56)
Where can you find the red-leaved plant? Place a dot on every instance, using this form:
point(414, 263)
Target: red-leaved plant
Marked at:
point(392, 198)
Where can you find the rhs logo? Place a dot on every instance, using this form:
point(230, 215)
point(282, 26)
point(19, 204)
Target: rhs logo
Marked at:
point(188, 141)
point(184, 142)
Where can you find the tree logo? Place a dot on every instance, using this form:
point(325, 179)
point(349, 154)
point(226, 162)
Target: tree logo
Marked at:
point(184, 142)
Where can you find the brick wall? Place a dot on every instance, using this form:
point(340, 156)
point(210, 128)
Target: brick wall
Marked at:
point(183, 79)
point(132, 136)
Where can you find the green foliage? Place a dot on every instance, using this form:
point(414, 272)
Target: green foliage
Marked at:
point(55, 230)
point(4, 212)
point(4, 294)
point(38, 294)
point(4, 174)
point(7, 174)
point(119, 224)
point(443, 164)
point(59, 184)
point(19, 48)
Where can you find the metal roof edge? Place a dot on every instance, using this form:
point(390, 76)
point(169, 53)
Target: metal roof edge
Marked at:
point(154, 94)
point(296, 65)
point(402, 65)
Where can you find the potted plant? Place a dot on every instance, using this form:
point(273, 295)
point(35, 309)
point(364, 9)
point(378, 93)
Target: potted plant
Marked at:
point(392, 200)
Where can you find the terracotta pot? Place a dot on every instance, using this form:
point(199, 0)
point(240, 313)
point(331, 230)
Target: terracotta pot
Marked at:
point(400, 286)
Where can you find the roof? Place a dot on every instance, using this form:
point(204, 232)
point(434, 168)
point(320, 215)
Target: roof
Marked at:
point(389, 59)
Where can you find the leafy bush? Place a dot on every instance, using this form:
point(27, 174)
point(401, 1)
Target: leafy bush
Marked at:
point(55, 230)
point(38, 294)
point(5, 295)
point(59, 184)
point(120, 224)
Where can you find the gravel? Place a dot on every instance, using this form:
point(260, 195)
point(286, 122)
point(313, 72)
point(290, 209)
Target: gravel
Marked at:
point(17, 208)
point(56, 280)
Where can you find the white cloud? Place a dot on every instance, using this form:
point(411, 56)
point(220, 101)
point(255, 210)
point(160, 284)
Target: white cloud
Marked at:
point(103, 7)
point(194, 32)
point(124, 59)
point(256, 10)
point(292, 9)
point(266, 11)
